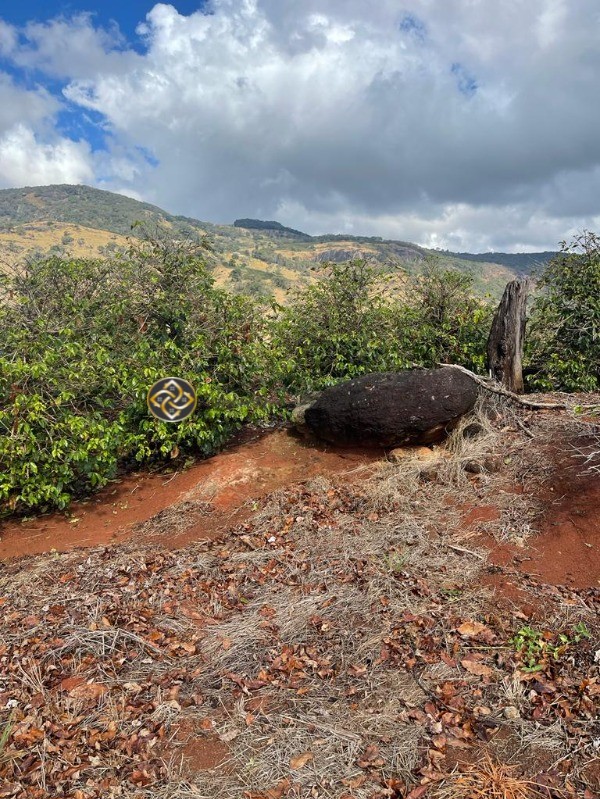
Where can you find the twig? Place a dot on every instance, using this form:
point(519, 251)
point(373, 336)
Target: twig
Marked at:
point(523, 427)
point(468, 551)
point(504, 392)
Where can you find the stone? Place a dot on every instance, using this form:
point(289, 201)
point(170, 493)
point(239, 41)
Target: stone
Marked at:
point(392, 409)
point(491, 463)
point(403, 453)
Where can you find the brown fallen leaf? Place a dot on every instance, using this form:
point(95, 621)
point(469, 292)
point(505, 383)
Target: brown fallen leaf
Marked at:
point(371, 758)
point(471, 628)
point(91, 690)
point(277, 792)
point(473, 667)
point(417, 792)
point(355, 782)
point(229, 736)
point(301, 760)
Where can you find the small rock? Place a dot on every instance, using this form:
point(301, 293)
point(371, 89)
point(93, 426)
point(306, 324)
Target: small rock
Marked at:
point(297, 417)
point(493, 463)
point(511, 713)
point(429, 474)
point(404, 453)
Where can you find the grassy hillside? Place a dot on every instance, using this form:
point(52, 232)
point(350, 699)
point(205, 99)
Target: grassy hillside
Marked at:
point(260, 258)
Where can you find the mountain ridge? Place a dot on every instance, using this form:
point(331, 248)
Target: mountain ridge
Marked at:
point(266, 258)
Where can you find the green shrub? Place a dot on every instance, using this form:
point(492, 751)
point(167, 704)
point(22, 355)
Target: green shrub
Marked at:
point(81, 343)
point(450, 324)
point(563, 347)
point(341, 327)
point(349, 324)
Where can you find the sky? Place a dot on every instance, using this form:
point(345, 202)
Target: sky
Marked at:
point(469, 125)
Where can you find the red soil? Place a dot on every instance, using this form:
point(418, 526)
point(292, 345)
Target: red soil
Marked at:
point(229, 481)
point(566, 551)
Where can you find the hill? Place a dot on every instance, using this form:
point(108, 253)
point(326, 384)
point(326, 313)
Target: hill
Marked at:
point(522, 262)
point(253, 256)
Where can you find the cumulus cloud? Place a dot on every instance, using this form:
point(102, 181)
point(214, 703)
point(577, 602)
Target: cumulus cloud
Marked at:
point(28, 162)
point(461, 124)
point(31, 152)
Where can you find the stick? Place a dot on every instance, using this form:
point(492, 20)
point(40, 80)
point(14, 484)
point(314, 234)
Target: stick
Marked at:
point(523, 427)
point(504, 392)
point(467, 551)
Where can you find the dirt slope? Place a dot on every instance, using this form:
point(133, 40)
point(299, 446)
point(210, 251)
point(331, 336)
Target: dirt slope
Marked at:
point(287, 620)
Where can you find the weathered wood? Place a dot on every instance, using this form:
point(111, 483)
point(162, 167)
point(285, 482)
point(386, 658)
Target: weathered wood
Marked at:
point(504, 392)
point(507, 336)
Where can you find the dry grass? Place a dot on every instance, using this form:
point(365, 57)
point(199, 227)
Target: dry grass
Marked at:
point(174, 519)
point(322, 572)
point(488, 780)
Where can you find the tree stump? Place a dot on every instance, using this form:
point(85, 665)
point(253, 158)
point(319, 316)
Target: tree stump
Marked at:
point(507, 336)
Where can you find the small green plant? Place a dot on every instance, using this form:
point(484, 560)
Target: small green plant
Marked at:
point(395, 561)
point(452, 593)
point(535, 649)
point(580, 631)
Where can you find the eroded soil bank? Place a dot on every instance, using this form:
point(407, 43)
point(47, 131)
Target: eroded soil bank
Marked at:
point(223, 489)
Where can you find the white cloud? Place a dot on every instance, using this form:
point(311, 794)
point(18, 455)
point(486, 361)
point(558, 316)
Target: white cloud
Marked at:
point(466, 123)
point(31, 152)
point(28, 162)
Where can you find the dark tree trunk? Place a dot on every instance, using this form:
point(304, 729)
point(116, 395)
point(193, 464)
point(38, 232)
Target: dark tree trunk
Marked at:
point(507, 336)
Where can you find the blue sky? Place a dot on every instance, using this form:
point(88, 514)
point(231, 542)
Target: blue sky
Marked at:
point(127, 13)
point(457, 124)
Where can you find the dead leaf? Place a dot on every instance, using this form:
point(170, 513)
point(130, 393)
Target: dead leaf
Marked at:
point(355, 782)
point(371, 758)
point(417, 792)
point(471, 628)
point(301, 760)
point(473, 667)
point(89, 690)
point(227, 737)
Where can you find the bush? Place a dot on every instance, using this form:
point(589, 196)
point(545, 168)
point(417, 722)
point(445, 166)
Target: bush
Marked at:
point(563, 350)
point(340, 327)
point(450, 324)
point(350, 323)
point(82, 341)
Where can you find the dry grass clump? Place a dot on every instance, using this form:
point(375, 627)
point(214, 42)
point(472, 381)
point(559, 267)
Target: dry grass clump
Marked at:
point(174, 519)
point(484, 460)
point(488, 779)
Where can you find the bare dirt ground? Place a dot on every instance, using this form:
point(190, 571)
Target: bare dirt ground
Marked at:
point(219, 491)
point(290, 620)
